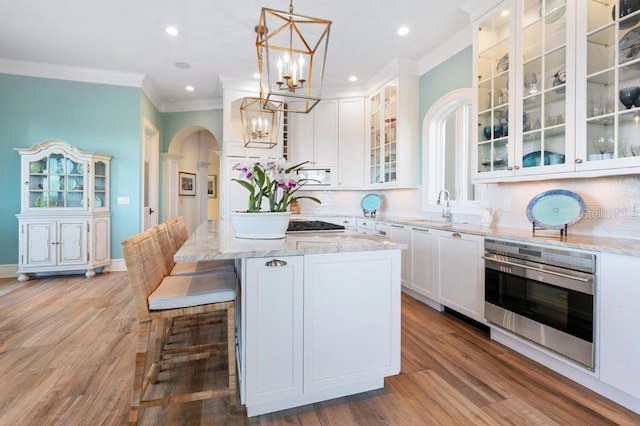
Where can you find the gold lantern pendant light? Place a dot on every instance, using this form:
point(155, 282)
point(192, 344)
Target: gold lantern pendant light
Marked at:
point(295, 48)
point(260, 122)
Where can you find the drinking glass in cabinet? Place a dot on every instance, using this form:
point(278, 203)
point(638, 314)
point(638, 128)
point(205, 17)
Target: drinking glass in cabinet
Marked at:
point(531, 83)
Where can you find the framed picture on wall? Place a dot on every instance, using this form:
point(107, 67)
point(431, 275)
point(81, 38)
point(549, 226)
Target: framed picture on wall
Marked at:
point(211, 186)
point(186, 183)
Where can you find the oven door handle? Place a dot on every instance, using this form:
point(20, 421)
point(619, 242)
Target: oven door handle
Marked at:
point(558, 274)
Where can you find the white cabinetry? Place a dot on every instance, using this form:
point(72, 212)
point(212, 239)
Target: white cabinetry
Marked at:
point(318, 326)
point(400, 234)
point(422, 259)
point(64, 223)
point(351, 131)
point(313, 137)
point(619, 298)
point(393, 133)
point(548, 91)
point(351, 318)
point(273, 314)
point(460, 273)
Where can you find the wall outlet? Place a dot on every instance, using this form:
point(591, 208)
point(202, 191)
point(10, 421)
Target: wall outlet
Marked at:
point(507, 206)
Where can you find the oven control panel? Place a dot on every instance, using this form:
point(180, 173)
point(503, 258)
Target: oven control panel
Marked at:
point(553, 256)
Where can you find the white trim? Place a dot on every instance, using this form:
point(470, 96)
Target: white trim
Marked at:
point(9, 271)
point(118, 265)
point(477, 8)
point(460, 41)
point(432, 171)
point(60, 72)
point(151, 93)
point(197, 105)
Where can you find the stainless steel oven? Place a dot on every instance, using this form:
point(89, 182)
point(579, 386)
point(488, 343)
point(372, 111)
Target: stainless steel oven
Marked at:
point(544, 294)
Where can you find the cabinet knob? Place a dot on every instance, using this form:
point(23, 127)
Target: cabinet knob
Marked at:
point(578, 160)
point(26, 182)
point(510, 168)
point(516, 167)
point(275, 262)
point(456, 235)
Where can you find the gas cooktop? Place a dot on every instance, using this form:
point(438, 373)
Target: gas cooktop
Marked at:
point(313, 226)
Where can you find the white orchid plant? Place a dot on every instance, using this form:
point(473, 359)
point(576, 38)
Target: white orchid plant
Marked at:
point(273, 180)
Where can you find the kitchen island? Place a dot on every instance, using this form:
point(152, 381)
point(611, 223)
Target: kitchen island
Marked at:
point(318, 313)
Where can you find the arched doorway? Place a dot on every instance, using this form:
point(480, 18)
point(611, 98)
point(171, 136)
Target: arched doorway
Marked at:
point(194, 151)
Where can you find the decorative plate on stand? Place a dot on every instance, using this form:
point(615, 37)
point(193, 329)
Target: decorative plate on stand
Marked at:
point(555, 209)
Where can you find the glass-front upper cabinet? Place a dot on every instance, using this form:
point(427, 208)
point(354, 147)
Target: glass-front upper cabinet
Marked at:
point(522, 58)
point(608, 101)
point(493, 44)
point(546, 103)
point(383, 135)
point(60, 176)
point(56, 181)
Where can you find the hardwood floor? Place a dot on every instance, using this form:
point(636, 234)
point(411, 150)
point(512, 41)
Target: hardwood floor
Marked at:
point(67, 351)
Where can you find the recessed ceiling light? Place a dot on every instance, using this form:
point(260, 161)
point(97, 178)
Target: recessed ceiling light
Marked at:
point(256, 75)
point(171, 31)
point(182, 65)
point(190, 88)
point(403, 30)
point(353, 78)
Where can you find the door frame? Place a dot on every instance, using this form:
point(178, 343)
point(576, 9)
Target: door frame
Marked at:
point(150, 179)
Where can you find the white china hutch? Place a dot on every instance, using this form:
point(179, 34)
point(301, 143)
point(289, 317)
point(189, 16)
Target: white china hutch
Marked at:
point(560, 68)
point(64, 221)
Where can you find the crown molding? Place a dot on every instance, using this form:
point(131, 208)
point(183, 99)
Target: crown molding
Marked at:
point(461, 40)
point(186, 106)
point(477, 8)
point(148, 90)
point(60, 72)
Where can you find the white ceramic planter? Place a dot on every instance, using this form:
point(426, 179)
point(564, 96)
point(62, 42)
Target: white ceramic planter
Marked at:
point(262, 225)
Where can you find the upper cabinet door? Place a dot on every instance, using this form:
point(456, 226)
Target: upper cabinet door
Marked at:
point(609, 35)
point(545, 87)
point(494, 90)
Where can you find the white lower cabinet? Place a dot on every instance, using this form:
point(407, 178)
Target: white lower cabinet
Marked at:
point(273, 314)
point(619, 320)
point(421, 252)
point(54, 243)
point(68, 244)
point(460, 273)
point(400, 234)
point(319, 326)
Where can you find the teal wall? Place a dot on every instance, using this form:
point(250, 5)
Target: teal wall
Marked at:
point(95, 117)
point(454, 73)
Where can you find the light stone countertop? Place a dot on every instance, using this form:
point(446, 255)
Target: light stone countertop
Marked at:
point(216, 240)
point(624, 246)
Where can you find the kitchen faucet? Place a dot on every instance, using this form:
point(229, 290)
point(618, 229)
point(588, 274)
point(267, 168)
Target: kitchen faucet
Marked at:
point(446, 211)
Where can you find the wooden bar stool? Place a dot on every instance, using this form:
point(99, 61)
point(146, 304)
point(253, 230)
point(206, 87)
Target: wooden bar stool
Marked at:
point(160, 298)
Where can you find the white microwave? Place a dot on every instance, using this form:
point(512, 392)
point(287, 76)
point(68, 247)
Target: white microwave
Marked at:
point(321, 177)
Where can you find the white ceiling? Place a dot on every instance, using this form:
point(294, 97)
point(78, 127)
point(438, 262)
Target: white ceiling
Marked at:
point(216, 37)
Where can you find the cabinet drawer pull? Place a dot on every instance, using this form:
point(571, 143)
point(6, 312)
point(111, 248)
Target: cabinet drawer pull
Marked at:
point(420, 229)
point(396, 226)
point(456, 235)
point(275, 262)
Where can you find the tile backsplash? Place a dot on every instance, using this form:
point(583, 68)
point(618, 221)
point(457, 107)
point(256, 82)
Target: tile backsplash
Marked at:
point(613, 203)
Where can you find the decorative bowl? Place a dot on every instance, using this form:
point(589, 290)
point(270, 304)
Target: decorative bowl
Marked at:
point(629, 95)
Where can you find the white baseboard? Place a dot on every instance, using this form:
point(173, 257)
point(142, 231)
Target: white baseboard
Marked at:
point(10, 271)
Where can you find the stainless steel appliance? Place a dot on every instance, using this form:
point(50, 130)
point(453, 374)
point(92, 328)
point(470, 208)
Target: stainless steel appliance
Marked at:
point(543, 294)
point(313, 226)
